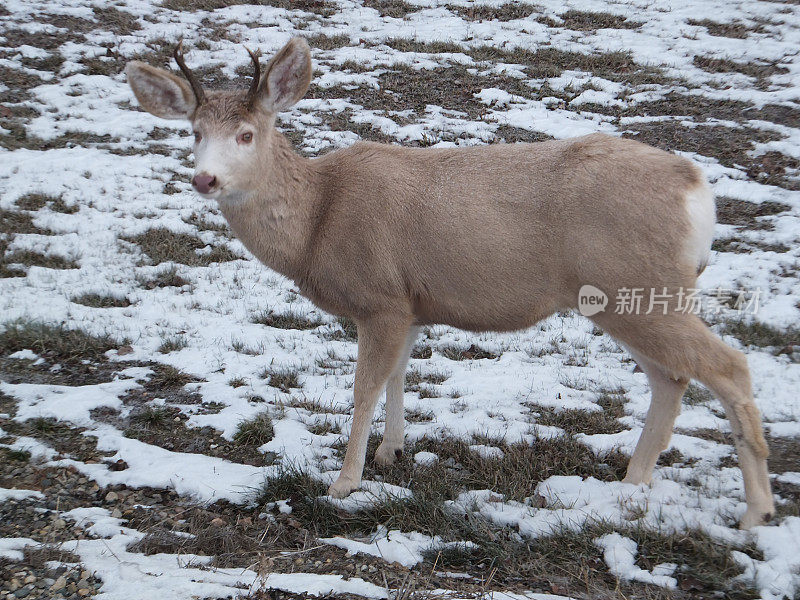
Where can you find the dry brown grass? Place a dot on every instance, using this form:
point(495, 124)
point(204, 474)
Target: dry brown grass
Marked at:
point(163, 245)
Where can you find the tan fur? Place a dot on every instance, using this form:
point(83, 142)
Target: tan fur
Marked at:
point(490, 238)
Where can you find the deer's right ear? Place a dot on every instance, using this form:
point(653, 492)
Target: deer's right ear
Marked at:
point(160, 92)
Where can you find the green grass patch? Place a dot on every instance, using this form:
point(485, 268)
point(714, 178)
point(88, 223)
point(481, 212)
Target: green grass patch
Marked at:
point(100, 300)
point(163, 278)
point(283, 379)
point(290, 319)
point(153, 416)
point(320, 7)
point(473, 352)
point(57, 342)
point(755, 333)
point(509, 11)
point(173, 343)
point(166, 377)
point(579, 20)
point(163, 245)
point(256, 431)
point(13, 222)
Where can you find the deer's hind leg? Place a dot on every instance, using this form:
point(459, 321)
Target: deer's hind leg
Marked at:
point(665, 405)
point(686, 349)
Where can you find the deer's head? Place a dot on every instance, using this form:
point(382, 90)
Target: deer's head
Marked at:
point(232, 130)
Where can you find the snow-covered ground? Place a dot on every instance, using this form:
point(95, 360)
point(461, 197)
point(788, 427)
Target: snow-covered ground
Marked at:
point(130, 182)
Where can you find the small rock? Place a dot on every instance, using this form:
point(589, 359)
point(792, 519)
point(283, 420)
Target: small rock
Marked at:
point(119, 465)
point(59, 524)
point(83, 584)
point(112, 497)
point(84, 592)
point(116, 513)
point(30, 579)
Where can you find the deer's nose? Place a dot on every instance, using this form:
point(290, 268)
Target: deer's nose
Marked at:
point(204, 183)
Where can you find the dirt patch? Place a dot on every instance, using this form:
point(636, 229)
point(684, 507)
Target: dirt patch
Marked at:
point(163, 245)
point(165, 427)
point(100, 301)
point(473, 352)
point(784, 454)
point(287, 320)
point(579, 20)
point(13, 222)
point(590, 422)
point(513, 135)
point(17, 84)
point(396, 9)
point(736, 29)
point(759, 71)
point(738, 246)
point(403, 88)
point(551, 62)
point(514, 471)
point(117, 21)
point(731, 211)
point(321, 7)
point(729, 145)
point(56, 343)
point(755, 333)
point(503, 12)
point(164, 278)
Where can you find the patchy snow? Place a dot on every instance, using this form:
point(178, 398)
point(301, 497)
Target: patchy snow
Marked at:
point(14, 494)
point(620, 556)
point(134, 182)
point(392, 546)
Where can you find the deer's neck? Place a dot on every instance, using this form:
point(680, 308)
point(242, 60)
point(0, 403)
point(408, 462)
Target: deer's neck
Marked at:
point(275, 221)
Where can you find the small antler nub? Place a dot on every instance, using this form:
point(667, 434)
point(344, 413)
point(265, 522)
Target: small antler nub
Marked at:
point(253, 91)
point(196, 87)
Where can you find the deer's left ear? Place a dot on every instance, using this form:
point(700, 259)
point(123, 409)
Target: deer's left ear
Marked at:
point(160, 92)
point(287, 78)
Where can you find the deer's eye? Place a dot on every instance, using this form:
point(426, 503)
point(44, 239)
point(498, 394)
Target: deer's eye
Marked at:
point(197, 137)
point(245, 138)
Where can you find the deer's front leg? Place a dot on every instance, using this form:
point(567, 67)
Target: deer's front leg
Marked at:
point(380, 344)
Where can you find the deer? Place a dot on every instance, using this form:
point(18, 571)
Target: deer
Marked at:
point(485, 238)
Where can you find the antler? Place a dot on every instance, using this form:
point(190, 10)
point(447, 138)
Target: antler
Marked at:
point(251, 93)
point(196, 87)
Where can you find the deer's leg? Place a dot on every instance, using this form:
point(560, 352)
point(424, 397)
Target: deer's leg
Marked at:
point(380, 343)
point(685, 348)
point(665, 405)
point(391, 446)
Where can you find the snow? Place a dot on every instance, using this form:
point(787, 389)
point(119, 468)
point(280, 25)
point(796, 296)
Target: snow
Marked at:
point(14, 494)
point(620, 556)
point(120, 195)
point(392, 546)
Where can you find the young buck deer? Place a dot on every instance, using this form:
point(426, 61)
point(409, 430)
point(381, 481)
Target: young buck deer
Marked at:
point(490, 238)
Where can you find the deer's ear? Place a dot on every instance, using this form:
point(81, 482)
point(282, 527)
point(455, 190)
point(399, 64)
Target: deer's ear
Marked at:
point(287, 78)
point(160, 92)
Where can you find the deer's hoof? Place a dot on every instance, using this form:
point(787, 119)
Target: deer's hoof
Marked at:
point(386, 453)
point(343, 487)
point(754, 518)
